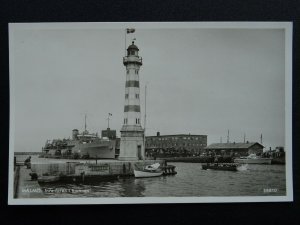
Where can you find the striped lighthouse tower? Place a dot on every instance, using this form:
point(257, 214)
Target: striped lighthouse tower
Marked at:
point(132, 133)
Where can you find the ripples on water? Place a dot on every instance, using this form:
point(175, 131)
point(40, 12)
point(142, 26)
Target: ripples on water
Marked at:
point(191, 180)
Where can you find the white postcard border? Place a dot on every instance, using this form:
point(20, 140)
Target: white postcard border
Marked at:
point(287, 26)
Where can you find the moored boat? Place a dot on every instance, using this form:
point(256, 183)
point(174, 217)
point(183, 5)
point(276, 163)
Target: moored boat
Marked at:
point(220, 166)
point(153, 170)
point(253, 159)
point(143, 174)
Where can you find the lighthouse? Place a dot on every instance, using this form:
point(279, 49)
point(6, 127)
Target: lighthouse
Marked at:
point(132, 133)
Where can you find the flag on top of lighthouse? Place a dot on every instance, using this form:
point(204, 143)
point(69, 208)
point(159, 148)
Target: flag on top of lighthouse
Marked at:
point(130, 30)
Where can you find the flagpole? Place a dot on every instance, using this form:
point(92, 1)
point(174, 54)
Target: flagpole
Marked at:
point(109, 114)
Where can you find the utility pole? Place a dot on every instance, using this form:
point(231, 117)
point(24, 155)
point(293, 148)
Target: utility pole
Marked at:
point(145, 121)
point(84, 122)
point(228, 136)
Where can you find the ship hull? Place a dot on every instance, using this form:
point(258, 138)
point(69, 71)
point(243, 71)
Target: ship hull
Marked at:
point(254, 161)
point(94, 150)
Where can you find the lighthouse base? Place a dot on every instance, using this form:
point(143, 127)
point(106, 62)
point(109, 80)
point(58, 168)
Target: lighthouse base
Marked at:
point(128, 158)
point(132, 145)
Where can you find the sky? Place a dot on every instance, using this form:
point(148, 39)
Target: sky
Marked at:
point(201, 81)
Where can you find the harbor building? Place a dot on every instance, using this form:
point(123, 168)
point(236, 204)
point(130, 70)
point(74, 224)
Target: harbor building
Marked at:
point(175, 145)
point(235, 149)
point(132, 133)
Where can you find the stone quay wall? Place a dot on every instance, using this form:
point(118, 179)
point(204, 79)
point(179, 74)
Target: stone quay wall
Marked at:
point(115, 168)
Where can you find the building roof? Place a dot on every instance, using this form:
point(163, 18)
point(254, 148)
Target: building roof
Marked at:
point(132, 46)
point(177, 135)
point(232, 145)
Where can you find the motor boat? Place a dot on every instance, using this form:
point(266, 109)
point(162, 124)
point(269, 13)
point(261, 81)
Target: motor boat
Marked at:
point(253, 159)
point(220, 166)
point(153, 170)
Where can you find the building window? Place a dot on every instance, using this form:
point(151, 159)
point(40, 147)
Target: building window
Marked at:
point(126, 96)
point(127, 71)
point(137, 96)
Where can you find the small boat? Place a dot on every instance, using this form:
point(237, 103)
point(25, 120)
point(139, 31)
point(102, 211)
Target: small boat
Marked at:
point(153, 170)
point(48, 179)
point(253, 159)
point(220, 166)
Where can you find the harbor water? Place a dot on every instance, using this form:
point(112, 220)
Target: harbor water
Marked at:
point(191, 180)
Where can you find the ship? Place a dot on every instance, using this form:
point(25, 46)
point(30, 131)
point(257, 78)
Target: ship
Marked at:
point(86, 145)
point(83, 145)
point(57, 148)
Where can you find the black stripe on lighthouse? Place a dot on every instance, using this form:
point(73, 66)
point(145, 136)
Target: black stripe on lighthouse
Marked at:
point(132, 108)
point(132, 83)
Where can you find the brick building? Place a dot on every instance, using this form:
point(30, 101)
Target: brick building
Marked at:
point(175, 145)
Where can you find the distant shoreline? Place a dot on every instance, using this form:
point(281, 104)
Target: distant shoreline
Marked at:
point(27, 153)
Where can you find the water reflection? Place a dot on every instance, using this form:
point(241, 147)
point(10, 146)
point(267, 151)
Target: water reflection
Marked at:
point(132, 187)
point(191, 180)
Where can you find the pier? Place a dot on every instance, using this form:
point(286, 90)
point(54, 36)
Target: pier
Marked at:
point(24, 186)
point(29, 179)
point(90, 167)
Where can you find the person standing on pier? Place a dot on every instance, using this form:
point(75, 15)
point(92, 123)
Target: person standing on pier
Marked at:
point(27, 162)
